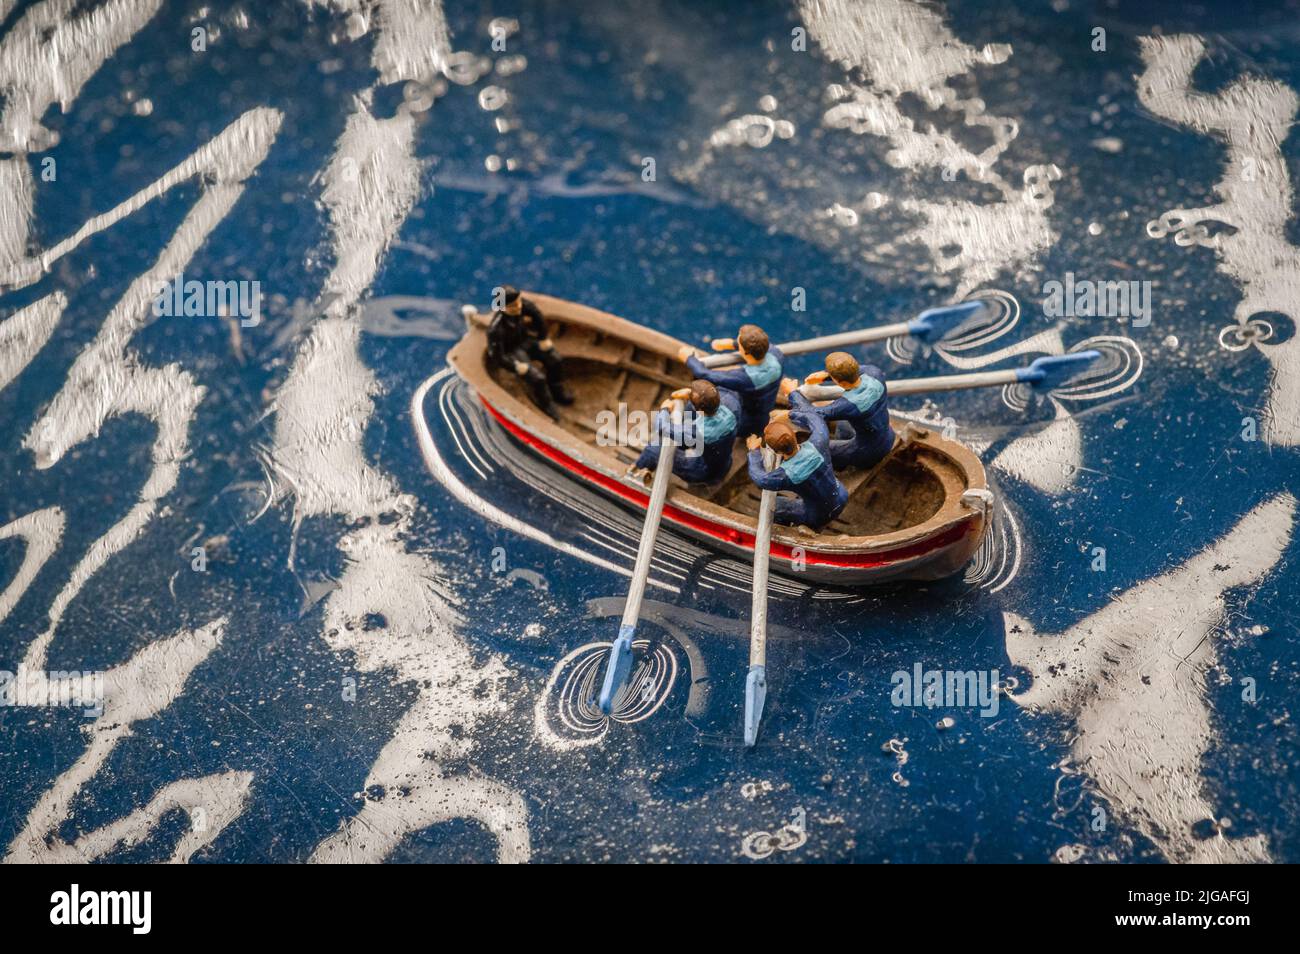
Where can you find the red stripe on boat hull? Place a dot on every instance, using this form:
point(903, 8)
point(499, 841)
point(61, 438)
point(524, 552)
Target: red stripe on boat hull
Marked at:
point(726, 534)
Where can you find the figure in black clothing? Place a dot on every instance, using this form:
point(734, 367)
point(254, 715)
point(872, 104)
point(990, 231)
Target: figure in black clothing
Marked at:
point(516, 339)
point(755, 380)
point(805, 469)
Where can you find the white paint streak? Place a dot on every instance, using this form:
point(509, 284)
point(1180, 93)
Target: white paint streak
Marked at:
point(229, 158)
point(50, 53)
point(140, 688)
point(211, 802)
point(1048, 458)
point(320, 418)
point(1045, 342)
point(387, 609)
point(108, 380)
point(17, 194)
point(417, 639)
point(412, 41)
point(25, 332)
point(1252, 116)
point(369, 187)
point(980, 241)
point(46, 57)
point(1133, 676)
point(861, 35)
point(904, 47)
point(41, 531)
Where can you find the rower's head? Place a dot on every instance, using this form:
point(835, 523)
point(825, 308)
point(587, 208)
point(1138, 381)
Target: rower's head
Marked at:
point(781, 437)
point(752, 343)
point(704, 397)
point(514, 302)
point(843, 369)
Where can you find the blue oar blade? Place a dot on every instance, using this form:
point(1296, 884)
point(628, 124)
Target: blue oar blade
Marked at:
point(755, 696)
point(1050, 372)
point(933, 323)
point(617, 669)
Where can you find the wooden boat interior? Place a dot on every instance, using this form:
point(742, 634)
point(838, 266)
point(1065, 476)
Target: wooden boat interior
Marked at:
point(602, 370)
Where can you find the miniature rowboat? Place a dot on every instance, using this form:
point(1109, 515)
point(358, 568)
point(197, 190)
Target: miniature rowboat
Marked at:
point(920, 514)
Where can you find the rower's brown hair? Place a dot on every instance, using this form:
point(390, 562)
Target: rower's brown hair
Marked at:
point(781, 437)
point(704, 396)
point(754, 340)
point(842, 367)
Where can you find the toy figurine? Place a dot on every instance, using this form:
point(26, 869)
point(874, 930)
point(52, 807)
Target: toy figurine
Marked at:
point(755, 382)
point(706, 438)
point(891, 535)
point(805, 469)
point(862, 411)
point(516, 338)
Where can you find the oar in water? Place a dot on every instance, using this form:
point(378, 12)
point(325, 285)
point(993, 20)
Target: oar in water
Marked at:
point(619, 666)
point(756, 681)
point(929, 325)
point(1043, 374)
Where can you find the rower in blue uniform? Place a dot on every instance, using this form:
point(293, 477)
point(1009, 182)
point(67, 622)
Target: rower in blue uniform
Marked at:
point(706, 436)
point(805, 468)
point(864, 435)
point(755, 381)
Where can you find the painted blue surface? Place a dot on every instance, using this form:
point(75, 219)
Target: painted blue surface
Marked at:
point(1165, 473)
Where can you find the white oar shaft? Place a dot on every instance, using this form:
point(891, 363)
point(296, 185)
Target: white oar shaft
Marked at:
point(756, 680)
point(900, 386)
point(951, 382)
point(650, 529)
point(619, 667)
point(762, 560)
point(825, 343)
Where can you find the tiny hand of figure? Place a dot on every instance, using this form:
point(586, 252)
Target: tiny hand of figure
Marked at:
point(667, 405)
point(817, 377)
point(546, 344)
point(753, 442)
point(521, 367)
point(780, 414)
point(681, 394)
point(684, 352)
point(723, 344)
point(787, 385)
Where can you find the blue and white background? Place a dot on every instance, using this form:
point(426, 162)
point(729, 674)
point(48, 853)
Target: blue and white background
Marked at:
point(337, 622)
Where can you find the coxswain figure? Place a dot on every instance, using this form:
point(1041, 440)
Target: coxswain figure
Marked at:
point(517, 342)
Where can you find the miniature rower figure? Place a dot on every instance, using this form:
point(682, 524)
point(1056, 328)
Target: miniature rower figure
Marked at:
point(706, 437)
point(805, 469)
point(516, 338)
point(862, 411)
point(755, 382)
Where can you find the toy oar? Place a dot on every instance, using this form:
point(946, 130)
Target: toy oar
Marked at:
point(756, 681)
point(619, 665)
point(929, 325)
point(1043, 374)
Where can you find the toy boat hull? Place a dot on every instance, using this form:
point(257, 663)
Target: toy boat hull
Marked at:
point(919, 515)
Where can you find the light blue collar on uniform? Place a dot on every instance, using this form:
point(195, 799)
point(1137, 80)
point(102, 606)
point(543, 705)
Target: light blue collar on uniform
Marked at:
point(720, 424)
point(803, 464)
point(865, 394)
point(764, 373)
